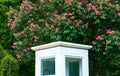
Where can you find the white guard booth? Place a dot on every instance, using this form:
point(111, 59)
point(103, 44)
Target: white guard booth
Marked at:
point(61, 59)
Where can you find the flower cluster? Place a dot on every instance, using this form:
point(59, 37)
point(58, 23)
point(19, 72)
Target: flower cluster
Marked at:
point(67, 20)
point(100, 37)
point(110, 32)
point(118, 8)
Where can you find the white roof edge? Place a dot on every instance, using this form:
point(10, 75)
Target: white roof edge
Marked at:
point(61, 43)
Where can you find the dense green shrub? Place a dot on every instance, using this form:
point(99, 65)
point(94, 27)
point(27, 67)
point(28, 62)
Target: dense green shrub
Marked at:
point(6, 37)
point(8, 64)
point(2, 53)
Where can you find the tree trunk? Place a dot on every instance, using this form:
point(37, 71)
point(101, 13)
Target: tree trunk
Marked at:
point(95, 68)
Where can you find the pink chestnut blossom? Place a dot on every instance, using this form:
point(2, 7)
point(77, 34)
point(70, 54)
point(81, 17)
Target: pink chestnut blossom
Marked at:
point(26, 11)
point(28, 48)
point(96, 12)
point(65, 14)
point(89, 5)
point(104, 53)
point(21, 7)
point(93, 43)
point(36, 37)
point(66, 1)
point(25, 50)
point(63, 18)
point(26, 8)
point(51, 1)
point(30, 7)
point(69, 1)
point(38, 28)
point(11, 9)
point(25, 2)
point(23, 32)
point(8, 24)
point(52, 20)
point(15, 43)
point(69, 21)
point(79, 3)
point(41, 20)
point(12, 27)
point(55, 13)
point(107, 0)
point(10, 20)
point(79, 7)
point(113, 20)
point(35, 40)
point(15, 16)
point(110, 32)
point(18, 56)
point(117, 7)
point(94, 8)
point(83, 26)
point(100, 37)
point(107, 41)
point(99, 30)
point(89, 9)
point(70, 14)
point(116, 1)
point(87, 24)
point(72, 17)
point(32, 29)
point(60, 5)
point(110, 4)
point(47, 25)
point(106, 46)
point(57, 16)
point(31, 19)
point(15, 35)
point(77, 24)
point(101, 6)
point(13, 46)
point(52, 26)
point(57, 30)
point(119, 14)
point(42, 1)
point(33, 25)
point(98, 0)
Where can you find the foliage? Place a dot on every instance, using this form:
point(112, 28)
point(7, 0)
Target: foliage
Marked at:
point(27, 69)
point(2, 53)
point(80, 21)
point(8, 65)
point(6, 37)
point(3, 17)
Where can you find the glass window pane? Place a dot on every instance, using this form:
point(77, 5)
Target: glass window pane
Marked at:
point(73, 66)
point(48, 67)
point(74, 69)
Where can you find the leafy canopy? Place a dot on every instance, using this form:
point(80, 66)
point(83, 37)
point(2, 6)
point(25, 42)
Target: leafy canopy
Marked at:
point(80, 21)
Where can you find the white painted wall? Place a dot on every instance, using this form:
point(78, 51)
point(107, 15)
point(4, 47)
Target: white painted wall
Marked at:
point(61, 50)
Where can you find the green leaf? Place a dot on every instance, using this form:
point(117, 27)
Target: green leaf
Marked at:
point(103, 17)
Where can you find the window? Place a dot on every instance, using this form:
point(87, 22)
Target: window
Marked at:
point(48, 67)
point(73, 67)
